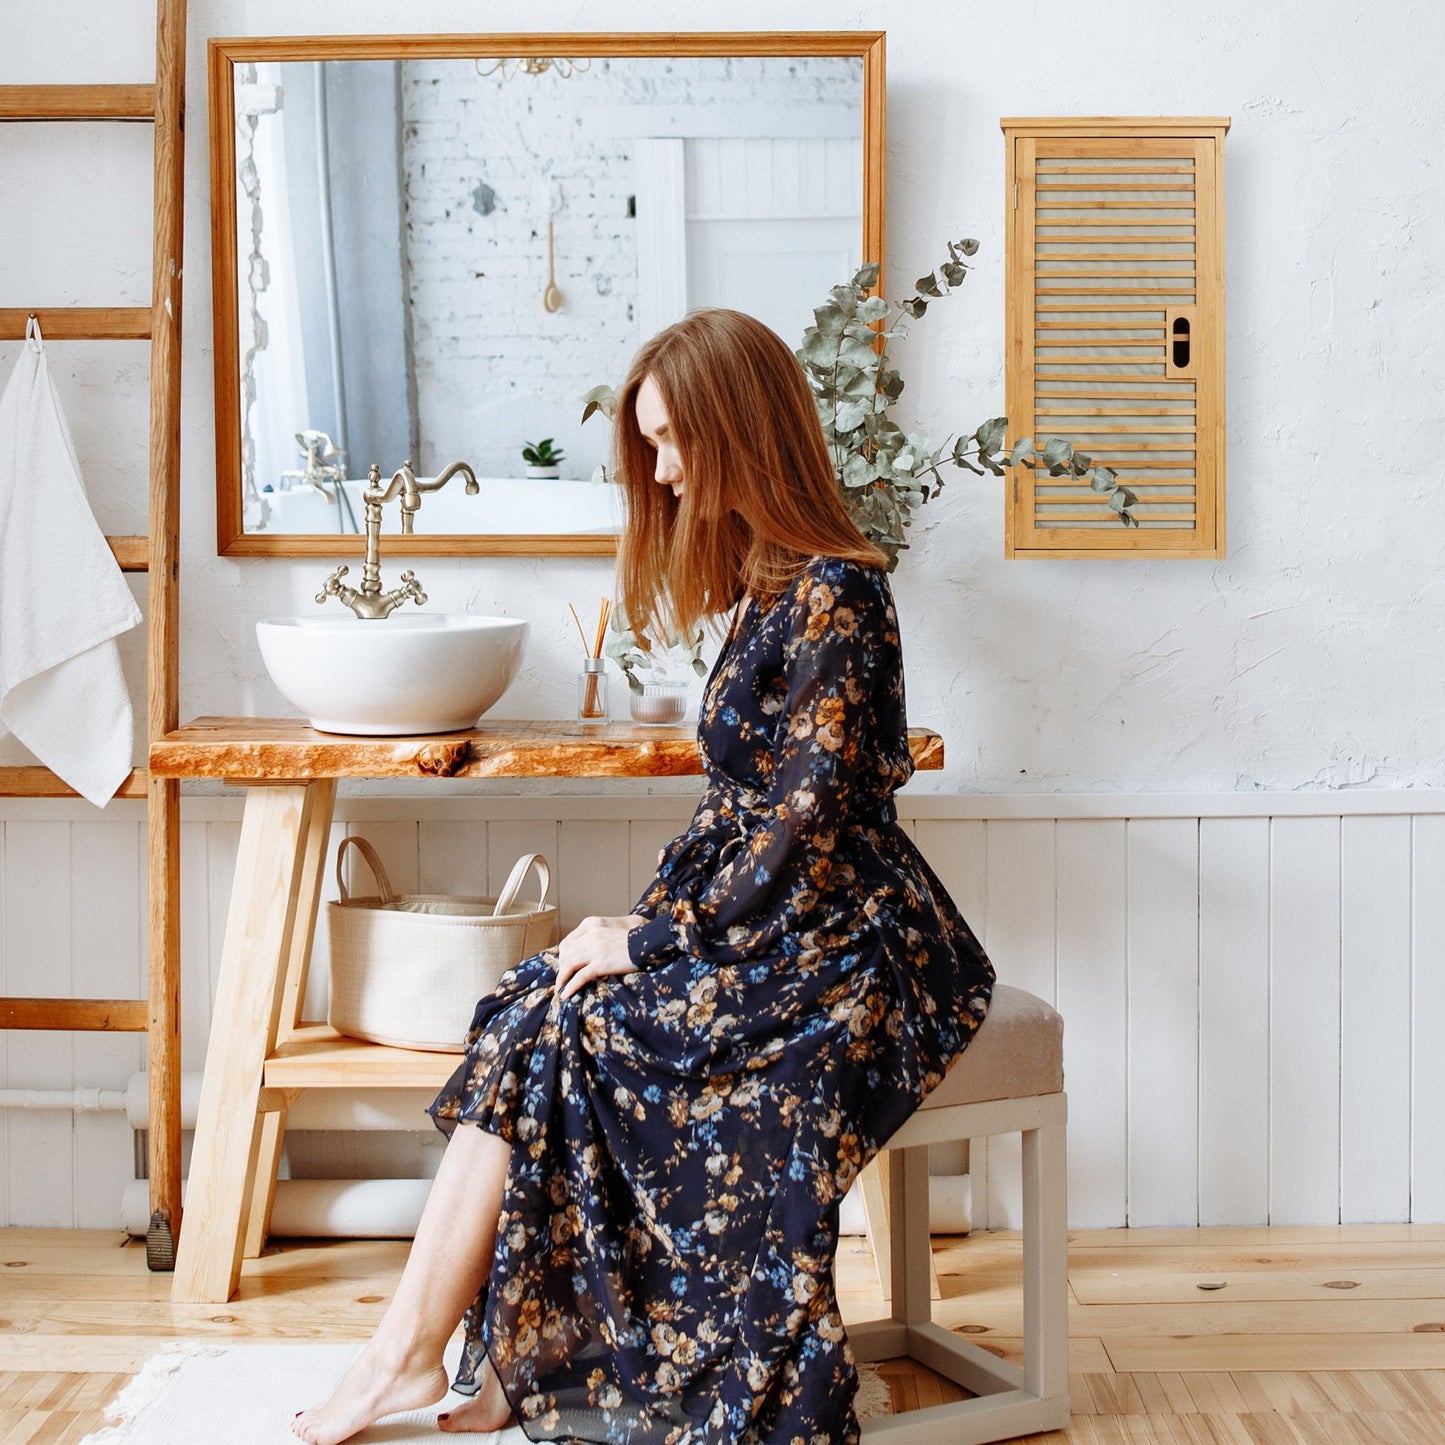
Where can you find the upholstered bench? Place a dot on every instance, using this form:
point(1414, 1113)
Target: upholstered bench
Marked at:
point(1010, 1079)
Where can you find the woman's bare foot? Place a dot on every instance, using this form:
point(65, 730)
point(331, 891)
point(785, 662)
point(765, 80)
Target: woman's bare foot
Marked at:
point(378, 1383)
point(487, 1410)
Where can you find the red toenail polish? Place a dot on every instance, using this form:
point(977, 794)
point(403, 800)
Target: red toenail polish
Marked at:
point(447, 1416)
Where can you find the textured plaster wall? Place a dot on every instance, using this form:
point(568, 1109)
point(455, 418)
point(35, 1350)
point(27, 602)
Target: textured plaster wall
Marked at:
point(1311, 657)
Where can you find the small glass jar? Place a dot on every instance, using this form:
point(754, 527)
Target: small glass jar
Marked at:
point(592, 707)
point(659, 703)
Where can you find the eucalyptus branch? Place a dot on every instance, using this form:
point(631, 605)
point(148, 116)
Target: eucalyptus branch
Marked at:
point(634, 653)
point(883, 474)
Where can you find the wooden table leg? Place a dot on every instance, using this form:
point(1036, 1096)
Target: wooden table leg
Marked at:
point(265, 904)
point(273, 1123)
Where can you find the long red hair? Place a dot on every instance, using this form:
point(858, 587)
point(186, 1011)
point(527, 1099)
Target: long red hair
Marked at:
point(760, 495)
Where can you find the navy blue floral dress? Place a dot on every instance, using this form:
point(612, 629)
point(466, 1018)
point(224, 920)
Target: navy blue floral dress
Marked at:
point(682, 1135)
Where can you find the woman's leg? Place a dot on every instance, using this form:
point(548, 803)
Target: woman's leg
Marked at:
point(400, 1367)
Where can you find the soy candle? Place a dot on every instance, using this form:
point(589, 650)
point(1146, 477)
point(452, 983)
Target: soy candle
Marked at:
point(660, 703)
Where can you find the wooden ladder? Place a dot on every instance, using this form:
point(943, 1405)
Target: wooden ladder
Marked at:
point(157, 554)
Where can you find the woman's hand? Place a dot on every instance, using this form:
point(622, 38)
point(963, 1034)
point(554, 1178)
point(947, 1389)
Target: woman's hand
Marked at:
point(596, 947)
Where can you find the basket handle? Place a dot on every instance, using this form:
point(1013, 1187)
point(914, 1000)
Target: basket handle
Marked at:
point(517, 877)
point(373, 859)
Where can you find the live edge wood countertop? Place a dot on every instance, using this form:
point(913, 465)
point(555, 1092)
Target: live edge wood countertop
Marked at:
point(259, 749)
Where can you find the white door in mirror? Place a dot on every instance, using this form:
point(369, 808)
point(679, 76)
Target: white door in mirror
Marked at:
point(424, 673)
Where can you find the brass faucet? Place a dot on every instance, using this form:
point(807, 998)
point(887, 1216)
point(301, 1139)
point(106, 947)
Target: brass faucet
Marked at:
point(368, 601)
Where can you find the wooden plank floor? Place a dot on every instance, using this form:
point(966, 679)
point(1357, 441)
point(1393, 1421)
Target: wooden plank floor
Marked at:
point(1314, 1337)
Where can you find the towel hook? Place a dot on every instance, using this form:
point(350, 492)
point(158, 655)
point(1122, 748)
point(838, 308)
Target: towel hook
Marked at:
point(33, 338)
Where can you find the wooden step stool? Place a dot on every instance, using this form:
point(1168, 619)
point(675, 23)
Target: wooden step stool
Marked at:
point(1010, 1079)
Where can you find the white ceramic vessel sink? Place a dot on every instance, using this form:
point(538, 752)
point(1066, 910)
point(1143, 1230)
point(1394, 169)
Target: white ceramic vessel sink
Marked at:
point(408, 673)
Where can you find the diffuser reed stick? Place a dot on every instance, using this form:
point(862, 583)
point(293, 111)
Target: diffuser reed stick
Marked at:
point(592, 705)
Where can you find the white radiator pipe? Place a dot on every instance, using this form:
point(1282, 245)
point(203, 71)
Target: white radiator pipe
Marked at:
point(950, 1207)
point(393, 1110)
point(390, 1208)
point(79, 1101)
point(317, 1208)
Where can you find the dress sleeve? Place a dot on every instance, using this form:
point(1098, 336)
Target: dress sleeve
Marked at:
point(842, 644)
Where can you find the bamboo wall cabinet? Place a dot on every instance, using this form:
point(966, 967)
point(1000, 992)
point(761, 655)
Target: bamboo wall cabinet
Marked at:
point(1115, 321)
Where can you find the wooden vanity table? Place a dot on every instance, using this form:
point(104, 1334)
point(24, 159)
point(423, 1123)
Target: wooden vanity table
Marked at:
point(260, 1054)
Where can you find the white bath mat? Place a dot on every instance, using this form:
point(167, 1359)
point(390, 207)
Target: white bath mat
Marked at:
point(247, 1395)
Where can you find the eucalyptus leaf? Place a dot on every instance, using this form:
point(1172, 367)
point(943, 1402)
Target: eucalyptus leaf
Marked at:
point(1023, 451)
point(600, 399)
point(866, 276)
point(968, 247)
point(872, 308)
point(853, 352)
point(819, 349)
point(991, 434)
point(928, 285)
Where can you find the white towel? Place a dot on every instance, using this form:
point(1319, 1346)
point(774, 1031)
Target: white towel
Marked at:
point(63, 599)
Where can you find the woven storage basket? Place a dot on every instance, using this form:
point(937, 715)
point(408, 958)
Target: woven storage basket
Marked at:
point(408, 969)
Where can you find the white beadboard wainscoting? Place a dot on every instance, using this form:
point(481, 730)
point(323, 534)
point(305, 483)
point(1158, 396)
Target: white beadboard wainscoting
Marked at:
point(1253, 985)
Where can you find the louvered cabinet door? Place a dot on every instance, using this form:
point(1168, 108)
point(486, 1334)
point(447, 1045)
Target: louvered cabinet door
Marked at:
point(1115, 300)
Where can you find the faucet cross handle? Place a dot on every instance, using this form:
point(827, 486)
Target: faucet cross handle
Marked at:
point(410, 587)
point(333, 587)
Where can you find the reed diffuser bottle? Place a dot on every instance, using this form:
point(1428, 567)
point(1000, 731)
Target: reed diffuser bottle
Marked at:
point(592, 691)
point(592, 708)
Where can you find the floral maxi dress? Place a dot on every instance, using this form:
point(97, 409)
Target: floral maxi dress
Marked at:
point(682, 1135)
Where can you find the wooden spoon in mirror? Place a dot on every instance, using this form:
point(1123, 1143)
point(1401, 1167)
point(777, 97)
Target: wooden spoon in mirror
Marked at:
point(551, 297)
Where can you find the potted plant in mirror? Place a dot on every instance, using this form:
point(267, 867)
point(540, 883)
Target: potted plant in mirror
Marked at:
point(542, 459)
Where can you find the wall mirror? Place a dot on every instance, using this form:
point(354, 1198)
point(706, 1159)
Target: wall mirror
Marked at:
point(430, 248)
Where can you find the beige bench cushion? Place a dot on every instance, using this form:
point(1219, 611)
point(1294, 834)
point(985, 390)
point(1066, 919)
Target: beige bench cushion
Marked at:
point(1017, 1052)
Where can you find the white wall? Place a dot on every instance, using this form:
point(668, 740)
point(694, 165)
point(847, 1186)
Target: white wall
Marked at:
point(1310, 659)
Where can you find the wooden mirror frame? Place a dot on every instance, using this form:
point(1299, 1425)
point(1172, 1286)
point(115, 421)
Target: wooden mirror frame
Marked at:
point(223, 55)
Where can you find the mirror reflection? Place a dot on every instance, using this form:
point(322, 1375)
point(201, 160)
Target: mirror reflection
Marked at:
point(437, 258)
